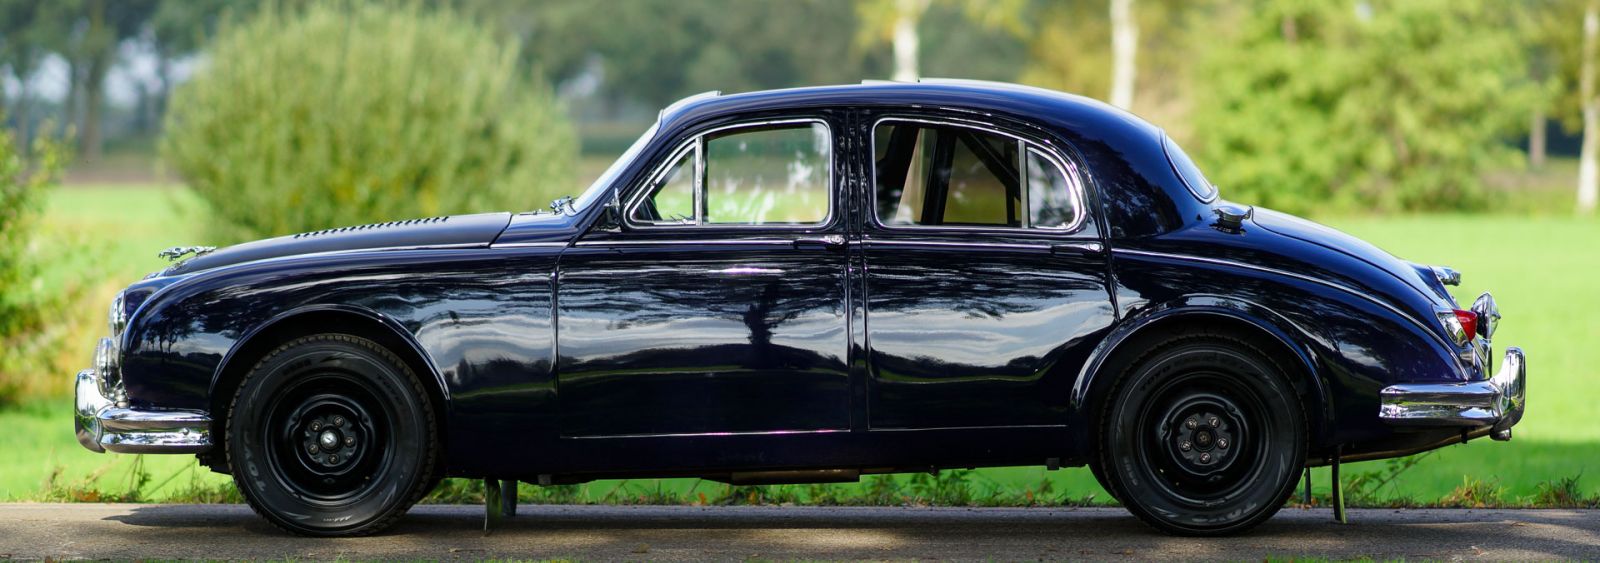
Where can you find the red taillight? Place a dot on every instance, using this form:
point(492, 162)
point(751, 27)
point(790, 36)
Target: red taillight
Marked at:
point(1469, 323)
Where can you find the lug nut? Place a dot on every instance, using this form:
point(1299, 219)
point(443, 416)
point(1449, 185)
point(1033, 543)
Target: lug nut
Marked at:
point(1191, 423)
point(313, 448)
point(1185, 446)
point(349, 440)
point(1214, 422)
point(1205, 457)
point(333, 458)
point(1223, 443)
point(338, 421)
point(316, 425)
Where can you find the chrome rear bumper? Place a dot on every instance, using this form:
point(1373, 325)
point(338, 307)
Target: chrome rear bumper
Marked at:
point(1497, 402)
point(102, 426)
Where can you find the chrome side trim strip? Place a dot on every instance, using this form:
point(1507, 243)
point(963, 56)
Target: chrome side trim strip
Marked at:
point(1042, 247)
point(721, 242)
point(1295, 275)
point(1007, 427)
point(528, 245)
point(710, 434)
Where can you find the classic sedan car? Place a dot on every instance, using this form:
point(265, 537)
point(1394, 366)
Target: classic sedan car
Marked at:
point(811, 285)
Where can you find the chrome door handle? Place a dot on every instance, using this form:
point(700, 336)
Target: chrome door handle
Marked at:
point(1077, 247)
point(828, 242)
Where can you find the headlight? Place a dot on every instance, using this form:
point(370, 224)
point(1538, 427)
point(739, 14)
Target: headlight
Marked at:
point(107, 366)
point(118, 317)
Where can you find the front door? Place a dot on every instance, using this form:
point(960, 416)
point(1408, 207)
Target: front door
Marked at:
point(986, 278)
point(719, 306)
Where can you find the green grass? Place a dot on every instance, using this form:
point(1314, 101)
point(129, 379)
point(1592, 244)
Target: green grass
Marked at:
point(1540, 269)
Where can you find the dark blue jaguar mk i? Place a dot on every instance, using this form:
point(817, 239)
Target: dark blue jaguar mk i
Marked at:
point(810, 285)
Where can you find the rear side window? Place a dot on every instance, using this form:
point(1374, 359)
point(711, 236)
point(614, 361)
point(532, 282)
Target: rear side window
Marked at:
point(949, 175)
point(1186, 169)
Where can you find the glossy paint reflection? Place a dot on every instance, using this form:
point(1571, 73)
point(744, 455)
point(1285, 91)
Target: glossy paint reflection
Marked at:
point(702, 339)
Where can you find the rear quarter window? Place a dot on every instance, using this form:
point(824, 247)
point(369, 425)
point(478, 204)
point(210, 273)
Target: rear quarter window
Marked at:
point(1188, 171)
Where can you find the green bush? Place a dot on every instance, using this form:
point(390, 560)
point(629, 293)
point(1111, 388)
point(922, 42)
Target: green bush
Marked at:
point(338, 114)
point(1386, 105)
point(25, 345)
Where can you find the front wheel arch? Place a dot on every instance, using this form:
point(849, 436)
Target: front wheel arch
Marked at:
point(301, 322)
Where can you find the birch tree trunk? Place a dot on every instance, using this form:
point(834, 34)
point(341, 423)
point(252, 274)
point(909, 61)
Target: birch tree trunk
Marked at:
point(1124, 49)
point(1537, 138)
point(1588, 166)
point(907, 13)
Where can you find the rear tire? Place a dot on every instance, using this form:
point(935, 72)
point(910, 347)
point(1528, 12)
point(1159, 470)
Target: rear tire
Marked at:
point(332, 435)
point(1204, 436)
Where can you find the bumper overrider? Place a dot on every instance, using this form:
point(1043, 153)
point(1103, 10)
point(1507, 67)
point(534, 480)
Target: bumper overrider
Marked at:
point(1495, 403)
point(104, 426)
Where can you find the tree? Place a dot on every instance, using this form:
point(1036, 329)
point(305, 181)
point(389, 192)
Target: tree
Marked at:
point(1588, 159)
point(280, 132)
point(898, 22)
point(1124, 53)
point(1390, 105)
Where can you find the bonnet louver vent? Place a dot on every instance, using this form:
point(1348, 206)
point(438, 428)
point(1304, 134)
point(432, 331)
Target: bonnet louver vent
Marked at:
point(372, 226)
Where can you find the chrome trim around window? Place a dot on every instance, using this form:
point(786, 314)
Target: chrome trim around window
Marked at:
point(1497, 402)
point(1066, 166)
point(102, 426)
point(687, 242)
point(697, 144)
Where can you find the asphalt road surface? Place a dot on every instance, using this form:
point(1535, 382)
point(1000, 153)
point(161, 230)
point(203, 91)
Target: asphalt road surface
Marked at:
point(121, 531)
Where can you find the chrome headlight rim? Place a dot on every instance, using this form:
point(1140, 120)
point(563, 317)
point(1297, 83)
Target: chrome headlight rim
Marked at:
point(107, 368)
point(117, 317)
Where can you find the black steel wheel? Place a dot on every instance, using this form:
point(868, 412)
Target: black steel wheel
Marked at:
point(1203, 436)
point(332, 435)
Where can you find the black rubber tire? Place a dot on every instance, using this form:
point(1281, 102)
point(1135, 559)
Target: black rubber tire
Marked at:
point(373, 395)
point(1151, 436)
point(1098, 469)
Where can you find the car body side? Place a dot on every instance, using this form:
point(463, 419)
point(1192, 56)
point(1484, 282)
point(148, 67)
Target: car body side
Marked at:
point(479, 320)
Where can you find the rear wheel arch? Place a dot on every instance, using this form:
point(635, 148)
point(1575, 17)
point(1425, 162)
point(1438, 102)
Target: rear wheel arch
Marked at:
point(294, 324)
point(1127, 345)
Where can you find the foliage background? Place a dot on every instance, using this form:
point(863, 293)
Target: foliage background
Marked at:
point(337, 115)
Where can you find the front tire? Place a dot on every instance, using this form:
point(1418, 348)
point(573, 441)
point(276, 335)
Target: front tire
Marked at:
point(1204, 437)
point(331, 435)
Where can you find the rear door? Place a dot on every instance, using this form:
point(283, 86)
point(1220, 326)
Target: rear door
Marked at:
point(986, 276)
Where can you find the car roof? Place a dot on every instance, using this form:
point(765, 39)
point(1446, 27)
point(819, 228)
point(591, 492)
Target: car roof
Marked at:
point(1039, 105)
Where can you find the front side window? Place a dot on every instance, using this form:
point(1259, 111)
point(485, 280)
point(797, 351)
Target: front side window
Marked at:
point(760, 175)
point(949, 175)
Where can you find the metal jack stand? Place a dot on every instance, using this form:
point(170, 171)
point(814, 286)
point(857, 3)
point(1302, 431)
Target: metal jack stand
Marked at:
point(1338, 489)
point(1306, 498)
point(499, 501)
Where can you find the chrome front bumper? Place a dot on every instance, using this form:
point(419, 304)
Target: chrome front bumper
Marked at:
point(102, 426)
point(1496, 403)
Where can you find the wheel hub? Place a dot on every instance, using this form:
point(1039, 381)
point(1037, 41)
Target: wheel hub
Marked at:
point(330, 439)
point(1205, 437)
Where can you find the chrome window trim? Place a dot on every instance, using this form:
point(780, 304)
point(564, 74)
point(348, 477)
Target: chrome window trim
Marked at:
point(1064, 165)
point(697, 142)
point(692, 146)
point(1296, 275)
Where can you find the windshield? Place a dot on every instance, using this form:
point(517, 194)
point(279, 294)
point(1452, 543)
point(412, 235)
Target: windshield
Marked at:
point(610, 175)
